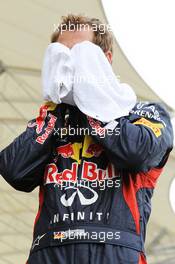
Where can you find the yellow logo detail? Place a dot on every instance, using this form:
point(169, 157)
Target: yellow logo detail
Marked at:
point(51, 106)
point(76, 152)
point(59, 235)
point(87, 142)
point(155, 127)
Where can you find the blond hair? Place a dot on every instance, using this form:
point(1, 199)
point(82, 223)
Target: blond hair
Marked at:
point(102, 38)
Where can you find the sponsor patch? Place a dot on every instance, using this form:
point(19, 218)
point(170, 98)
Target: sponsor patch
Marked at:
point(69, 234)
point(96, 125)
point(47, 131)
point(58, 235)
point(155, 127)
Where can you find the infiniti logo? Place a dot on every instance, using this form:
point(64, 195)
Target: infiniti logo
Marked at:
point(84, 201)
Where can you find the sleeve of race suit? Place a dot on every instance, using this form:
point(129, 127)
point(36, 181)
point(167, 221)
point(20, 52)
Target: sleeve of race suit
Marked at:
point(22, 163)
point(141, 141)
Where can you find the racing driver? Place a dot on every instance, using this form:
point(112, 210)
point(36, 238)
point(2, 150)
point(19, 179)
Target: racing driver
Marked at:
point(95, 188)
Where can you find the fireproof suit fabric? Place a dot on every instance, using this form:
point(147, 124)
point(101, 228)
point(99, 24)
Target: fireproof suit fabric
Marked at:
point(86, 254)
point(95, 189)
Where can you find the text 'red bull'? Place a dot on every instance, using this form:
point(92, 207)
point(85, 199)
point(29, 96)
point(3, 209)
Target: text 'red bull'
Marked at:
point(90, 172)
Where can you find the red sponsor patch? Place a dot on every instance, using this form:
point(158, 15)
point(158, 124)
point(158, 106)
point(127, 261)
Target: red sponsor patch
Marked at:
point(40, 120)
point(65, 151)
point(47, 131)
point(96, 125)
point(95, 150)
point(90, 172)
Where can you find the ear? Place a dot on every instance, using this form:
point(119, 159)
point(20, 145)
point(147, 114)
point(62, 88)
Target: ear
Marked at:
point(109, 56)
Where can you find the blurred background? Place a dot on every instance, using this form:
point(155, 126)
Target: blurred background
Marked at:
point(144, 58)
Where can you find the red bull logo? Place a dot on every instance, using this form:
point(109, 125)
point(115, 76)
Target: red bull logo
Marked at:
point(66, 151)
point(94, 150)
point(96, 125)
point(40, 123)
point(40, 120)
point(90, 172)
point(73, 150)
point(51, 124)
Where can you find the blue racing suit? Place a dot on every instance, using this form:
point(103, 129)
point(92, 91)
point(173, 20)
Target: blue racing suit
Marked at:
point(95, 186)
